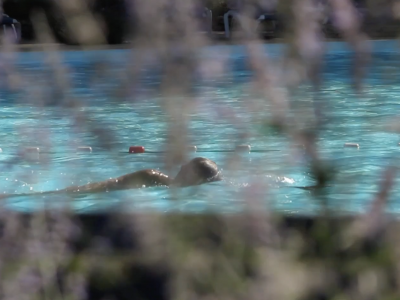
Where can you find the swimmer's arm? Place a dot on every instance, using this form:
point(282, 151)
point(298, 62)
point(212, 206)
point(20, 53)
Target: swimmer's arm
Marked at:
point(139, 179)
point(143, 178)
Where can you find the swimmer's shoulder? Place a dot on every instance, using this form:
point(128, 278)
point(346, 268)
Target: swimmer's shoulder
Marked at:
point(145, 178)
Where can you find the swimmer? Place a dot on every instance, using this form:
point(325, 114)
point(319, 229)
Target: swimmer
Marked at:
point(198, 171)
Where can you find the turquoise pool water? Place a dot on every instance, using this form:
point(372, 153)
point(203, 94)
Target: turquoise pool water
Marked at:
point(224, 109)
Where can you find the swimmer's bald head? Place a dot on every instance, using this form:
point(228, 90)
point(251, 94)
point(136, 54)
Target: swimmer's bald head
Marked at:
point(197, 171)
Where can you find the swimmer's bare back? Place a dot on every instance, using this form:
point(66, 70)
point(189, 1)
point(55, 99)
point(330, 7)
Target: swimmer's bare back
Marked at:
point(136, 180)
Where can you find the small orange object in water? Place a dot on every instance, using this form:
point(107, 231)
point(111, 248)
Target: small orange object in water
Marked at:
point(136, 149)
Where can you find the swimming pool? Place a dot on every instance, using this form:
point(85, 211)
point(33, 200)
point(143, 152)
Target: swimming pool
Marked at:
point(223, 111)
